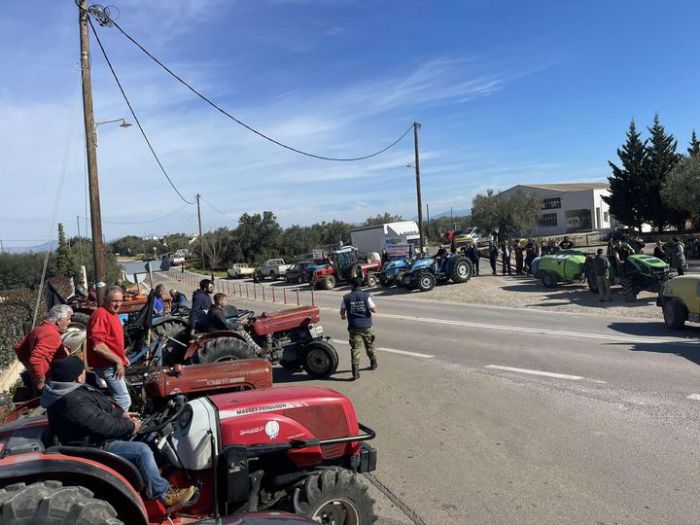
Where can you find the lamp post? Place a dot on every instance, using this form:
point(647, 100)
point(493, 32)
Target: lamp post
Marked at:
point(122, 121)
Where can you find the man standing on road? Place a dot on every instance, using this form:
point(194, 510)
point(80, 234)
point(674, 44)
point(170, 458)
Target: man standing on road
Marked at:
point(357, 307)
point(40, 347)
point(676, 254)
point(105, 352)
point(505, 257)
point(601, 266)
point(472, 253)
point(201, 302)
point(493, 257)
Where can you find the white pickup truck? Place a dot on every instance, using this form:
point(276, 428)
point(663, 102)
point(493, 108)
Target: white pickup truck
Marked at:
point(272, 268)
point(240, 271)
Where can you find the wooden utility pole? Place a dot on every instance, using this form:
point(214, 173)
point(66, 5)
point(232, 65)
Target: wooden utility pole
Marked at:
point(416, 164)
point(201, 239)
point(98, 253)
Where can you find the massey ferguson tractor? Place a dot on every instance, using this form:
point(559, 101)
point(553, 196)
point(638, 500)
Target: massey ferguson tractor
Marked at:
point(297, 449)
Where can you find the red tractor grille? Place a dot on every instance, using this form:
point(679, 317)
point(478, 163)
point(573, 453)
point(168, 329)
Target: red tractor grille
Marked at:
point(333, 451)
point(324, 422)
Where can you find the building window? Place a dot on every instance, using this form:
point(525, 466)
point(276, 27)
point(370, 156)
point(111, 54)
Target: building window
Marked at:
point(551, 203)
point(577, 220)
point(547, 220)
point(606, 216)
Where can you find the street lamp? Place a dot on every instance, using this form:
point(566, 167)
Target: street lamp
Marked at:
point(122, 121)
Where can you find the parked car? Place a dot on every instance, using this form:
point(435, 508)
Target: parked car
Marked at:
point(272, 268)
point(297, 272)
point(240, 271)
point(680, 301)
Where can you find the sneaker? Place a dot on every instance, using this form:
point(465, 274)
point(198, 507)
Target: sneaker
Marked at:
point(176, 496)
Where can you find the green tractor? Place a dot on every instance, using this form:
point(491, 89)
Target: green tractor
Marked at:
point(639, 272)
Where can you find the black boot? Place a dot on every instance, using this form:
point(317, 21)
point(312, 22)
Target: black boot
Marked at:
point(373, 363)
point(355, 372)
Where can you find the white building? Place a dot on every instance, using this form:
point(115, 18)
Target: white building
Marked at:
point(377, 238)
point(569, 207)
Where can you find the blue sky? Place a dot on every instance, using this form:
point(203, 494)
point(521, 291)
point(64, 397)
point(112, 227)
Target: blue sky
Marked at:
point(507, 92)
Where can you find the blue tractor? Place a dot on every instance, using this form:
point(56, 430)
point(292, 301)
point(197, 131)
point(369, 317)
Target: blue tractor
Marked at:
point(425, 273)
point(392, 272)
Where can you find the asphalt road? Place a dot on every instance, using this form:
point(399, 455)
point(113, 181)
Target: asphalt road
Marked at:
point(498, 415)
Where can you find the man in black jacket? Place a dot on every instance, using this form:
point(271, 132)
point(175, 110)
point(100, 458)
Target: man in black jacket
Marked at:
point(201, 302)
point(217, 320)
point(80, 415)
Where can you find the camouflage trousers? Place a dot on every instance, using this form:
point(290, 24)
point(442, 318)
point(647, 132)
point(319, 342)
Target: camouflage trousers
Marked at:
point(359, 338)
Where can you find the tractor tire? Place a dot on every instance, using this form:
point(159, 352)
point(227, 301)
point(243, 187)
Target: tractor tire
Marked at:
point(328, 282)
point(320, 359)
point(52, 503)
point(549, 280)
point(223, 349)
point(386, 283)
point(259, 277)
point(291, 365)
point(174, 328)
point(334, 495)
point(426, 281)
point(675, 314)
point(372, 280)
point(462, 271)
point(628, 289)
point(80, 318)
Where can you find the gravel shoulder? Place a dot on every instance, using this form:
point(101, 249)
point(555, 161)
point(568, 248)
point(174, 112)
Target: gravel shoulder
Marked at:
point(520, 291)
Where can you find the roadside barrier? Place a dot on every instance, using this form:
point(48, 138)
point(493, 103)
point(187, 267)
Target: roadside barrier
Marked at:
point(254, 291)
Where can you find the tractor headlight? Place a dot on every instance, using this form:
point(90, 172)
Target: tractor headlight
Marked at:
point(315, 331)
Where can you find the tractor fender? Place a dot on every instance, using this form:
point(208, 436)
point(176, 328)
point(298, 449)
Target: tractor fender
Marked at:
point(199, 343)
point(106, 483)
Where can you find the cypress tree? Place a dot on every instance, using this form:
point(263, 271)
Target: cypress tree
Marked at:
point(694, 149)
point(625, 199)
point(660, 160)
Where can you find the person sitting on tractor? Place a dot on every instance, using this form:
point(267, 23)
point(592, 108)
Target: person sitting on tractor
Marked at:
point(80, 415)
point(40, 347)
point(636, 243)
point(201, 302)
point(619, 252)
point(178, 299)
point(440, 259)
point(566, 243)
point(158, 302)
point(217, 320)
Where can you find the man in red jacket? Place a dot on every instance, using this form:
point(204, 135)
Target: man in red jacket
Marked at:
point(106, 353)
point(37, 350)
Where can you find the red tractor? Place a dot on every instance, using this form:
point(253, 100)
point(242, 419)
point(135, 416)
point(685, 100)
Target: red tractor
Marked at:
point(348, 263)
point(297, 449)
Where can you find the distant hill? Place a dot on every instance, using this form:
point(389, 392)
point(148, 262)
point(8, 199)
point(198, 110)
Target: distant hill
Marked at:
point(455, 213)
point(39, 248)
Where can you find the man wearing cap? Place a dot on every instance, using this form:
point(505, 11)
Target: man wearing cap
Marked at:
point(80, 415)
point(105, 351)
point(37, 350)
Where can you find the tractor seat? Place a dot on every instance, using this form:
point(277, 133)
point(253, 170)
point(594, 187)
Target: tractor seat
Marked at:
point(123, 466)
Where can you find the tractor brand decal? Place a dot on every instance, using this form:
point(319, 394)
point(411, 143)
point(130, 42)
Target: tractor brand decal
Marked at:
point(253, 430)
point(234, 412)
point(224, 381)
point(272, 429)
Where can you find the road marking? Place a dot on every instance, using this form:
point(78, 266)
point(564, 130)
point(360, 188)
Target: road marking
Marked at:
point(540, 373)
point(694, 397)
point(390, 350)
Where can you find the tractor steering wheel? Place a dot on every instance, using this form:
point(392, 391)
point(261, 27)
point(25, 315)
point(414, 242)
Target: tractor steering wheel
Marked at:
point(159, 420)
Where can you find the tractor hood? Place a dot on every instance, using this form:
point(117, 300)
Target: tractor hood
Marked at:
point(647, 261)
point(419, 264)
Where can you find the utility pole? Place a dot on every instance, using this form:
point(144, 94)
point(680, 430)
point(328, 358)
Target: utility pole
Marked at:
point(416, 125)
point(98, 254)
point(427, 212)
point(80, 242)
point(454, 226)
point(201, 239)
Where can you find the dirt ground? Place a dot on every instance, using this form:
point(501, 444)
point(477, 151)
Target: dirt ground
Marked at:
point(527, 292)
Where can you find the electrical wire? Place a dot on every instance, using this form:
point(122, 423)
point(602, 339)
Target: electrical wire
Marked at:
point(217, 210)
point(102, 14)
point(149, 220)
point(133, 114)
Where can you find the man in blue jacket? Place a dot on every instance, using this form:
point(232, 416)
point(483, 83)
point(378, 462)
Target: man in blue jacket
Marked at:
point(357, 307)
point(201, 302)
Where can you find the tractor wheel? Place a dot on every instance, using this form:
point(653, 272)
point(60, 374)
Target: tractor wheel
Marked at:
point(171, 328)
point(259, 277)
point(81, 318)
point(372, 280)
point(328, 282)
point(462, 271)
point(320, 359)
point(549, 280)
point(291, 365)
point(426, 281)
point(223, 349)
point(675, 314)
point(628, 289)
point(385, 282)
point(334, 495)
point(52, 503)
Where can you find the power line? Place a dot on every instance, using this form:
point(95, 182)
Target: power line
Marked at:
point(218, 210)
point(149, 220)
point(133, 113)
point(102, 15)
